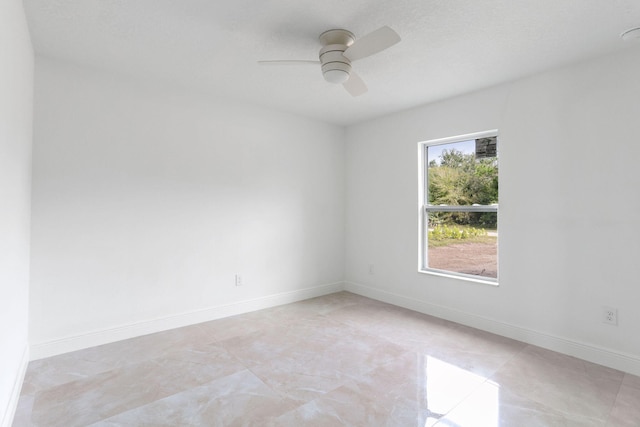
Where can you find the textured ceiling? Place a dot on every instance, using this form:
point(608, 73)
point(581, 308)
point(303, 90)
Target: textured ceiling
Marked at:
point(448, 47)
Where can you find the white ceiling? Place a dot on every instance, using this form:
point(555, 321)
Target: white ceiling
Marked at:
point(448, 47)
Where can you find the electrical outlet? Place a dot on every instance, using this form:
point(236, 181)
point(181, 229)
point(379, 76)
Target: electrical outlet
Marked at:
point(238, 280)
point(610, 315)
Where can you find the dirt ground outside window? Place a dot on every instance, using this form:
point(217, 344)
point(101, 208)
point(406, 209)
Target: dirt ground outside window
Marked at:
point(479, 259)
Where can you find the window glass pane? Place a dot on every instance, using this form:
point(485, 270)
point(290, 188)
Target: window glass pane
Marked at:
point(463, 173)
point(463, 242)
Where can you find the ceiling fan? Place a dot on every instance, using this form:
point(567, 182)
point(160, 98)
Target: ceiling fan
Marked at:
point(339, 49)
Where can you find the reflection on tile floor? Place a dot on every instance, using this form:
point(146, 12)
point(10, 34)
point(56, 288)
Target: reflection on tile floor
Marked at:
point(337, 360)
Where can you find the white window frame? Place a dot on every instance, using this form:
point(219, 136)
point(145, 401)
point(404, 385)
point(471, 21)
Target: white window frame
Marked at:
point(424, 208)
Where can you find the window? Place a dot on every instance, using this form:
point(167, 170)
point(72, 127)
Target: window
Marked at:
point(459, 206)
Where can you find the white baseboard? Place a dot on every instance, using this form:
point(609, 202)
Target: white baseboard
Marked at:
point(602, 356)
point(92, 339)
point(10, 409)
point(624, 362)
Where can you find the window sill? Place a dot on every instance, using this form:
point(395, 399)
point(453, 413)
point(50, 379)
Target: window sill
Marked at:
point(460, 276)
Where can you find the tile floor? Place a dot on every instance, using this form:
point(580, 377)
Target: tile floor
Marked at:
point(337, 360)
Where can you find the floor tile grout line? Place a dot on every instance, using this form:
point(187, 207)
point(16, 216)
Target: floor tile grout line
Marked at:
point(462, 400)
point(613, 405)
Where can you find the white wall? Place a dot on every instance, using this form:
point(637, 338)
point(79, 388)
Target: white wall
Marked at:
point(569, 209)
point(16, 103)
point(147, 202)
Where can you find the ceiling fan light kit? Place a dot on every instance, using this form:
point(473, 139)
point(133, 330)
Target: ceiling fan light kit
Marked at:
point(336, 72)
point(340, 48)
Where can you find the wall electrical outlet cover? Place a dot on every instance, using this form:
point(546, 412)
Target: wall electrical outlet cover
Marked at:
point(610, 315)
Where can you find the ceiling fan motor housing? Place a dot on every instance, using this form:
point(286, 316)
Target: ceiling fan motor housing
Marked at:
point(335, 66)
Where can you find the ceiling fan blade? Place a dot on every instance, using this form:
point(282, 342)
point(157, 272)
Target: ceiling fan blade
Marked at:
point(372, 43)
point(355, 86)
point(288, 62)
